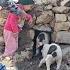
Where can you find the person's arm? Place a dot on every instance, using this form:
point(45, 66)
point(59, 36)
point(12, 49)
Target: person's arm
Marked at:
point(28, 17)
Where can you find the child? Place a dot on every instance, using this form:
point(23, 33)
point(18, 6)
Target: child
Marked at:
point(11, 29)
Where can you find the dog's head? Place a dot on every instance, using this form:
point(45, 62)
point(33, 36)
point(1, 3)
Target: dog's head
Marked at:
point(42, 39)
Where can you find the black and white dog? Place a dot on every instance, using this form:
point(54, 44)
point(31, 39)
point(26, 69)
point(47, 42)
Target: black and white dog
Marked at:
point(51, 53)
point(40, 37)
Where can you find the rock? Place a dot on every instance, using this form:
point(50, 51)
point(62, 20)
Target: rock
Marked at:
point(22, 56)
point(53, 36)
point(60, 17)
point(2, 20)
point(63, 37)
point(48, 12)
point(1, 30)
point(68, 15)
point(12, 68)
point(7, 62)
point(3, 14)
point(68, 18)
point(64, 2)
point(63, 67)
point(52, 23)
point(40, 1)
point(61, 9)
point(62, 26)
point(66, 52)
point(28, 46)
point(49, 7)
point(53, 2)
point(26, 54)
point(66, 57)
point(44, 18)
point(42, 27)
point(1, 40)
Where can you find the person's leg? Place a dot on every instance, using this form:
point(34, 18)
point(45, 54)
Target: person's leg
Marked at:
point(11, 44)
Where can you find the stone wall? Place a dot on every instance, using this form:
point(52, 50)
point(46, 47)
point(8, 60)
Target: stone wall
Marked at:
point(3, 16)
point(53, 13)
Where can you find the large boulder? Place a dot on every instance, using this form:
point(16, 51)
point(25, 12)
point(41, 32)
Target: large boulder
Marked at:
point(48, 7)
point(60, 17)
point(43, 27)
point(62, 26)
point(2, 20)
point(63, 37)
point(45, 18)
point(1, 30)
point(68, 16)
point(65, 3)
point(3, 13)
point(61, 9)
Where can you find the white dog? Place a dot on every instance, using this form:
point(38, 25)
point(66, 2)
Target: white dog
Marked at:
point(51, 53)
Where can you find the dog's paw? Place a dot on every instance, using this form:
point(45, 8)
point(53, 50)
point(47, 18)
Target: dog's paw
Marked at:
point(39, 65)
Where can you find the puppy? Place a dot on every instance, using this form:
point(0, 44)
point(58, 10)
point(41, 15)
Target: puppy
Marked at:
point(42, 39)
point(51, 53)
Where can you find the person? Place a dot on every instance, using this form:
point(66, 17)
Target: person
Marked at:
point(11, 29)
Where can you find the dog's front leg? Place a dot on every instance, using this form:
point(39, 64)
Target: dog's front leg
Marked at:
point(48, 63)
point(49, 60)
point(41, 62)
point(58, 64)
point(48, 66)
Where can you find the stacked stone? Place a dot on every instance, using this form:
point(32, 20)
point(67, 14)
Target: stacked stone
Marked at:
point(58, 17)
point(3, 15)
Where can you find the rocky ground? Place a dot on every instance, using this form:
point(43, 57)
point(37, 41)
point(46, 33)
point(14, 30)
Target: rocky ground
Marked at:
point(23, 61)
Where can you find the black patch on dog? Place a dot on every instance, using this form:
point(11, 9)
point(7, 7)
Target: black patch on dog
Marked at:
point(52, 49)
point(54, 54)
point(41, 37)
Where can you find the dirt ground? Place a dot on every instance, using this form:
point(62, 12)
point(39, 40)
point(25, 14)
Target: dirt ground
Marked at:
point(33, 64)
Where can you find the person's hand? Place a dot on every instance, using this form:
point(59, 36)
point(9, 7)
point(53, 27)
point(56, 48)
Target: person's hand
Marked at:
point(30, 19)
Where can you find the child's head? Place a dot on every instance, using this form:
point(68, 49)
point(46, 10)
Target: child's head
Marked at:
point(27, 7)
point(27, 4)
